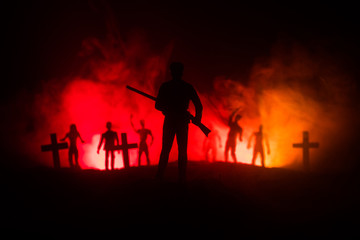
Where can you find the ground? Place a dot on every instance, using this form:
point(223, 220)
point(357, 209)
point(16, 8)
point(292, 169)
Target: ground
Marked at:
point(218, 199)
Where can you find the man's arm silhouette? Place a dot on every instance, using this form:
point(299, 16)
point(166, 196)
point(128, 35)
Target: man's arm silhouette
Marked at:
point(80, 138)
point(152, 138)
point(198, 106)
point(162, 105)
point(132, 124)
point(117, 140)
point(100, 143)
point(249, 142)
point(240, 134)
point(66, 136)
point(267, 143)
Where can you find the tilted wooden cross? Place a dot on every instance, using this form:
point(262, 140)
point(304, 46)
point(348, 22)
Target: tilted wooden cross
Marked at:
point(306, 145)
point(54, 147)
point(125, 149)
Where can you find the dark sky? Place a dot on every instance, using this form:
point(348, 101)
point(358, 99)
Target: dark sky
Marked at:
point(222, 38)
point(41, 39)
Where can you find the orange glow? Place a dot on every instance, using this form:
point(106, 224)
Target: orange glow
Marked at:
point(97, 94)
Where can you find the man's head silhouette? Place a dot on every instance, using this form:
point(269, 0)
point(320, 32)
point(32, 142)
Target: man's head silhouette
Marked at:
point(142, 123)
point(260, 128)
point(108, 125)
point(237, 117)
point(176, 69)
point(73, 128)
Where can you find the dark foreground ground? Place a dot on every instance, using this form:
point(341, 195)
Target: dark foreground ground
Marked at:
point(218, 200)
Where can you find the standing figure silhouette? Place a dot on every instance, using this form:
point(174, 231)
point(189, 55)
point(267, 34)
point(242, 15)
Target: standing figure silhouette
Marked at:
point(110, 138)
point(235, 129)
point(258, 146)
point(173, 100)
point(73, 135)
point(143, 133)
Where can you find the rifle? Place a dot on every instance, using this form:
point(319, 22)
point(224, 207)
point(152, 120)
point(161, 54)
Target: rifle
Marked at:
point(203, 128)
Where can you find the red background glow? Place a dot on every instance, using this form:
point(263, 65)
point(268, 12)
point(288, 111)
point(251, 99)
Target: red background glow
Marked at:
point(289, 89)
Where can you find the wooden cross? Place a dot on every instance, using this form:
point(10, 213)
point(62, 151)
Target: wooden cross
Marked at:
point(306, 145)
point(54, 147)
point(125, 149)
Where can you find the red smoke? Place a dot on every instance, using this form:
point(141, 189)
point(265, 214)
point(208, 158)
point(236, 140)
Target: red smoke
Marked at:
point(279, 96)
point(97, 94)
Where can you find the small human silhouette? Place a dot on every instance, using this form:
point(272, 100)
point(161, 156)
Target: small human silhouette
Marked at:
point(110, 137)
point(235, 129)
point(258, 146)
point(73, 135)
point(173, 101)
point(211, 143)
point(143, 134)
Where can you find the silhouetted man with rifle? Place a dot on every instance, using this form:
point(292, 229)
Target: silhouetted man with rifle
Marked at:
point(173, 101)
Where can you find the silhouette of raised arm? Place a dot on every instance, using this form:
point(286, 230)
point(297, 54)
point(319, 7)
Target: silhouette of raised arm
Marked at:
point(132, 124)
point(232, 116)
